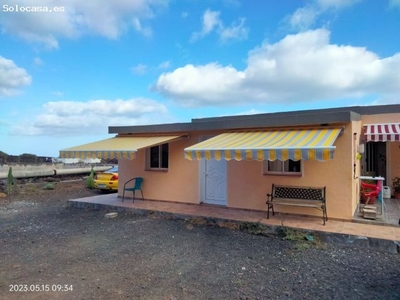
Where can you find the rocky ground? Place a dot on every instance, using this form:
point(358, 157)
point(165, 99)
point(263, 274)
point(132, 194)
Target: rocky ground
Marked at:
point(50, 252)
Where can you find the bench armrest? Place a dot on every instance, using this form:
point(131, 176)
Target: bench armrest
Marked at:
point(269, 198)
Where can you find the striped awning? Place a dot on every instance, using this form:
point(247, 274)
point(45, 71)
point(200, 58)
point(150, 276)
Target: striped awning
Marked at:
point(116, 147)
point(309, 144)
point(382, 132)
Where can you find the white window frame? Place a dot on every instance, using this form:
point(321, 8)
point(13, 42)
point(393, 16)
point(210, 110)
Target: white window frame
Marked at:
point(281, 171)
point(160, 158)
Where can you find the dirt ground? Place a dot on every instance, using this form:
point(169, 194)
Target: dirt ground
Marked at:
point(50, 252)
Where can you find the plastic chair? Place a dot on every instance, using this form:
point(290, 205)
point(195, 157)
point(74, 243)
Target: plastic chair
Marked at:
point(370, 190)
point(137, 187)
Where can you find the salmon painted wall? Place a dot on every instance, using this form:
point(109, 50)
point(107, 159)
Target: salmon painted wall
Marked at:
point(394, 152)
point(179, 183)
point(247, 186)
point(357, 141)
point(381, 118)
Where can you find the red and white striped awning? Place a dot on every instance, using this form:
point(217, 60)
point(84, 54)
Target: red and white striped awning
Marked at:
point(382, 132)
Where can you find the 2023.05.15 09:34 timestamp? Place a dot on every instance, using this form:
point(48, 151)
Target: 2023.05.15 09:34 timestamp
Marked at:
point(41, 288)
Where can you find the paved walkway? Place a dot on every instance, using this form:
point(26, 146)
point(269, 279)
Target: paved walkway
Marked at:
point(350, 231)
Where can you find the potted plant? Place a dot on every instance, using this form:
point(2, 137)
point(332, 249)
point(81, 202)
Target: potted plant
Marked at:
point(396, 187)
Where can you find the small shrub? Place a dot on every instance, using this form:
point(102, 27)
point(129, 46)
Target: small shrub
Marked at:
point(302, 239)
point(198, 221)
point(229, 225)
point(49, 186)
point(253, 228)
point(290, 234)
point(10, 182)
point(90, 180)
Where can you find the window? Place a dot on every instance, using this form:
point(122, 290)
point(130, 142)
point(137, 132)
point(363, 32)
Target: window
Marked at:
point(287, 167)
point(157, 157)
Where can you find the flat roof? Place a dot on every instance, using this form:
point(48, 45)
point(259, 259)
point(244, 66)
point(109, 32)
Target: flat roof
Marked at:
point(264, 120)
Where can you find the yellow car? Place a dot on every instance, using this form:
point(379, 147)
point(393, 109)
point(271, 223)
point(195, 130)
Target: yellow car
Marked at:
point(107, 180)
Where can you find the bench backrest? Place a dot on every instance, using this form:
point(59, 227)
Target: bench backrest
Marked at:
point(299, 192)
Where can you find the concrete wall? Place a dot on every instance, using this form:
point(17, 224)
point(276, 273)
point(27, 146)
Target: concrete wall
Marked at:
point(43, 170)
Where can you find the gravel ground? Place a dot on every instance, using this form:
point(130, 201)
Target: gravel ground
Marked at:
point(82, 255)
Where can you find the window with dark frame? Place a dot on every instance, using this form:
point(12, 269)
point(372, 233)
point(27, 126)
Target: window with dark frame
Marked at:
point(158, 157)
point(287, 167)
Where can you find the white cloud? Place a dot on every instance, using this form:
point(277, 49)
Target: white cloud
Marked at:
point(208, 84)
point(250, 112)
point(301, 67)
point(212, 23)
point(394, 3)
point(146, 31)
point(236, 31)
point(74, 118)
point(108, 18)
point(386, 99)
point(165, 65)
point(140, 69)
point(57, 93)
point(37, 61)
point(335, 4)
point(12, 78)
point(305, 17)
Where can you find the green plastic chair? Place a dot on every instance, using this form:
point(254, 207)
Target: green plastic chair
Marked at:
point(136, 187)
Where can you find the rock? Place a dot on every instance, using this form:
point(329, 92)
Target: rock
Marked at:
point(2, 195)
point(111, 215)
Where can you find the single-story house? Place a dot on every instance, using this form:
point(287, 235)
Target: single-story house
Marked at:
point(234, 160)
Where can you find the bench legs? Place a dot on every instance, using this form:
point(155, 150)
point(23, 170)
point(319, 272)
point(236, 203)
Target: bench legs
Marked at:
point(270, 207)
point(324, 213)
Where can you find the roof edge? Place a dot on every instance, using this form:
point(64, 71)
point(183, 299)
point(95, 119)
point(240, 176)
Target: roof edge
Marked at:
point(266, 120)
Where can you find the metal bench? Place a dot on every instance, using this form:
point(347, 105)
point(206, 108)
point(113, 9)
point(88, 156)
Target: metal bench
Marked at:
point(314, 197)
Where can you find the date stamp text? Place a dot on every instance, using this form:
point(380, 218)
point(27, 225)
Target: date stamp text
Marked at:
point(41, 288)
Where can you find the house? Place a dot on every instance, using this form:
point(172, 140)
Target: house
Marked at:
point(233, 160)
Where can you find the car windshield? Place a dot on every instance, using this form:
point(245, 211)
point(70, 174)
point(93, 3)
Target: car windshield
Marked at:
point(113, 170)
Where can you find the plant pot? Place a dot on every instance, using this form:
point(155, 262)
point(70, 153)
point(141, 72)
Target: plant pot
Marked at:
point(365, 195)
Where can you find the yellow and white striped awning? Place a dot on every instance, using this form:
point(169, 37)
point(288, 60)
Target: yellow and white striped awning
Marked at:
point(309, 144)
point(116, 147)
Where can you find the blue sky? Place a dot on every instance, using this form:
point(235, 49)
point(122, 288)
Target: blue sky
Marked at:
point(66, 76)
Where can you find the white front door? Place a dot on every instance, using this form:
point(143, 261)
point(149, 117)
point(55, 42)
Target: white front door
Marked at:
point(213, 181)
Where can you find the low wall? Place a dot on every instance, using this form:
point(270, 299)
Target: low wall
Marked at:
point(43, 170)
